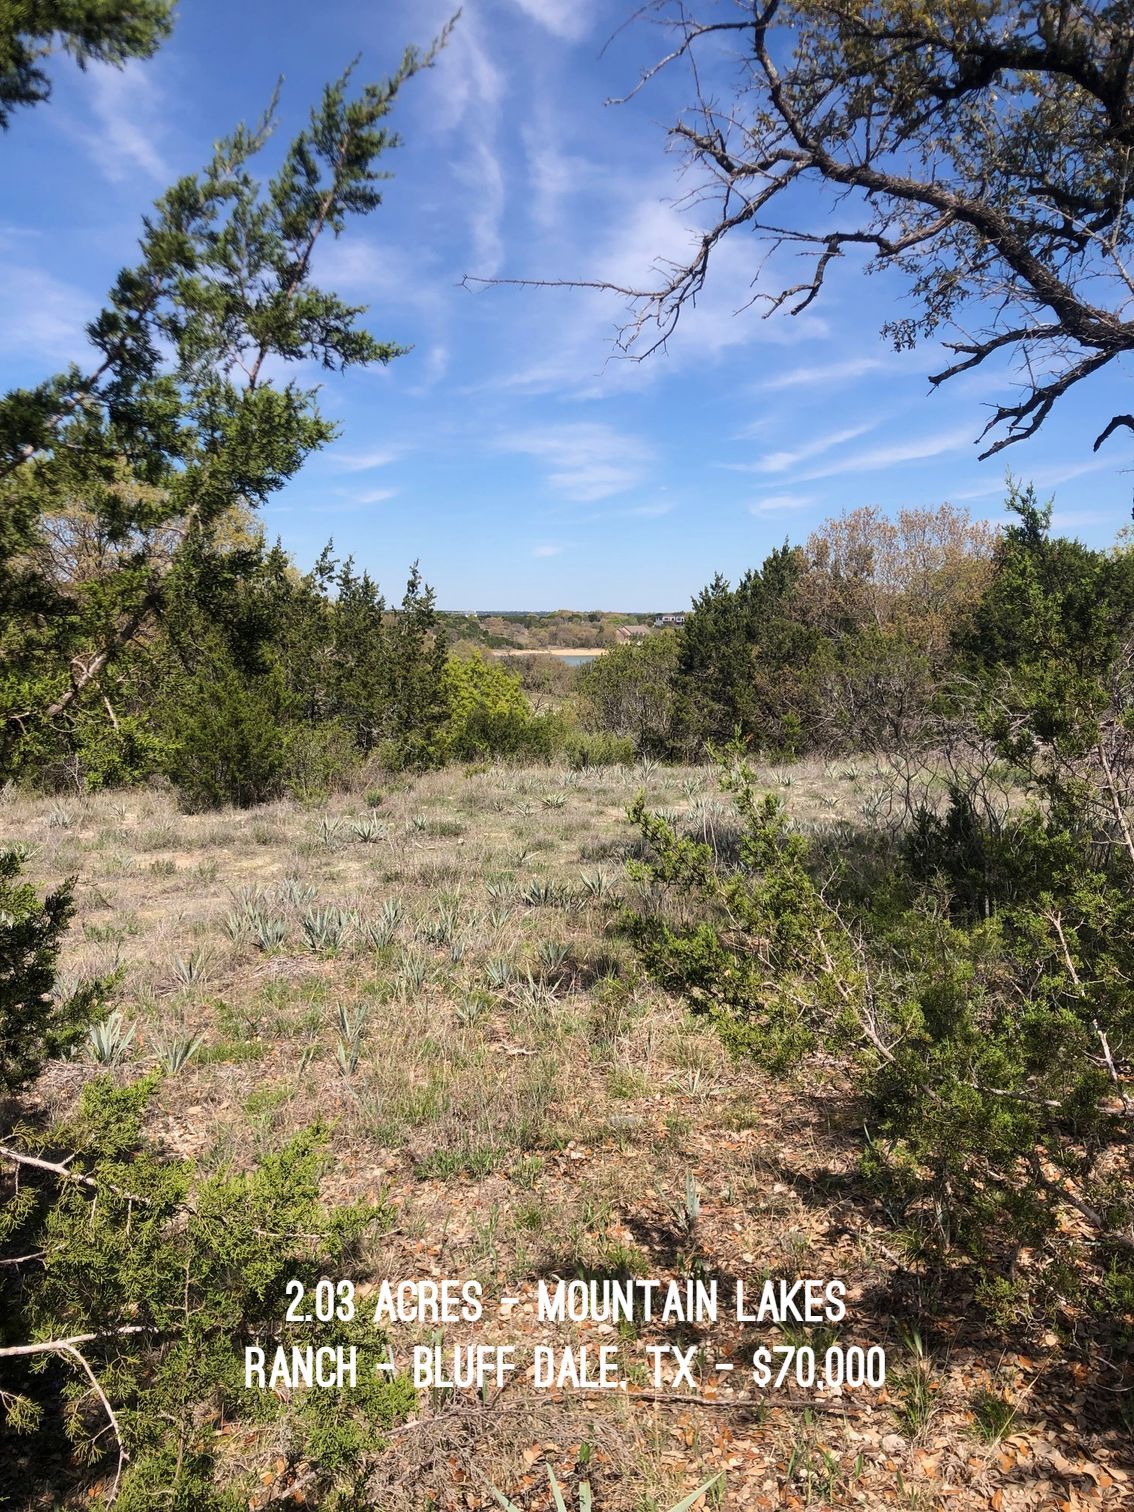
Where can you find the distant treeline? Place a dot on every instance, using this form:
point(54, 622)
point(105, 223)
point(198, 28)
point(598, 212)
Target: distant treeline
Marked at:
point(258, 680)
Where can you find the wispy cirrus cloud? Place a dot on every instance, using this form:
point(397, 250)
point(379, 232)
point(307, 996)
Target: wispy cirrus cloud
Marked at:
point(584, 460)
point(569, 20)
point(785, 461)
point(42, 316)
point(129, 108)
point(878, 458)
point(470, 85)
point(821, 374)
point(780, 502)
point(365, 461)
point(362, 498)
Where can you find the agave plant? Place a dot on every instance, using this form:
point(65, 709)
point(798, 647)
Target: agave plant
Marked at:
point(440, 930)
point(347, 1053)
point(554, 800)
point(392, 912)
point(324, 928)
point(552, 955)
point(499, 971)
point(268, 930)
point(330, 830)
point(294, 892)
point(468, 1011)
point(596, 884)
point(191, 971)
point(109, 1041)
point(411, 977)
point(586, 1497)
point(175, 1050)
point(542, 893)
point(235, 925)
point(369, 830)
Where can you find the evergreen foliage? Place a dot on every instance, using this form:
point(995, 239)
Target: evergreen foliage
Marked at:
point(103, 31)
point(36, 1023)
point(109, 477)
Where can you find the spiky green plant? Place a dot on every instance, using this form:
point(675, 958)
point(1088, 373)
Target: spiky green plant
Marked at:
point(110, 1041)
point(586, 1496)
point(324, 928)
point(174, 1050)
point(192, 970)
point(268, 930)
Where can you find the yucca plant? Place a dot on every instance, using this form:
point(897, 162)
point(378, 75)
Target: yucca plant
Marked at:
point(377, 934)
point(542, 893)
point(554, 800)
point(552, 955)
point(468, 1011)
point(109, 1041)
point(440, 930)
point(347, 1053)
point(330, 830)
point(586, 1497)
point(351, 1021)
point(294, 892)
point(175, 1050)
point(411, 976)
point(235, 925)
point(369, 830)
point(192, 970)
point(499, 972)
point(268, 931)
point(323, 928)
point(392, 912)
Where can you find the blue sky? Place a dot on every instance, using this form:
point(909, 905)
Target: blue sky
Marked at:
point(509, 451)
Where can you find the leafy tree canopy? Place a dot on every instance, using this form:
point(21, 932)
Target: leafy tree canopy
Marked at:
point(980, 147)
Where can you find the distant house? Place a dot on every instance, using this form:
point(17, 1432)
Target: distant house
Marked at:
point(626, 633)
point(668, 619)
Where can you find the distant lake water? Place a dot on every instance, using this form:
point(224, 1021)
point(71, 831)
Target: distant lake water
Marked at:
point(580, 661)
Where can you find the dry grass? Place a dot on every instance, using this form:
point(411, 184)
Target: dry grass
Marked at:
point(436, 972)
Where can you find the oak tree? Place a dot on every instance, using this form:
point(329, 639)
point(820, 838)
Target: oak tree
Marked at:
point(982, 148)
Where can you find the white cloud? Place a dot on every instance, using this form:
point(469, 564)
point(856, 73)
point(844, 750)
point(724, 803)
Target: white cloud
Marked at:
point(546, 551)
point(776, 502)
point(482, 174)
point(42, 316)
point(1050, 476)
point(586, 460)
point(465, 79)
point(569, 20)
point(823, 373)
point(128, 107)
point(352, 462)
point(880, 457)
point(784, 461)
point(365, 496)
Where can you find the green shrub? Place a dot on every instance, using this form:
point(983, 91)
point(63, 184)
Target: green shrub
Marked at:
point(488, 714)
point(318, 760)
point(597, 748)
point(166, 1315)
point(984, 1038)
point(36, 1023)
point(229, 737)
